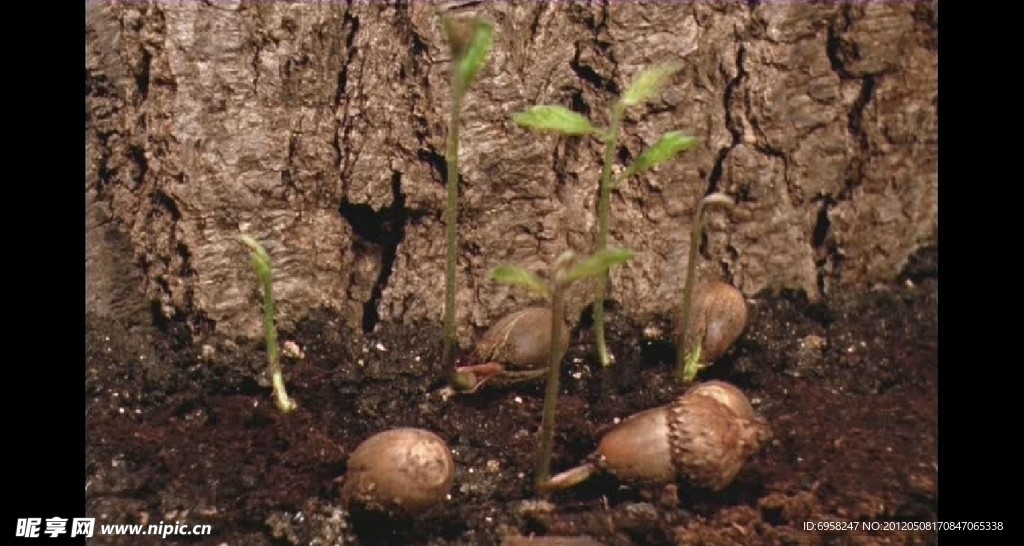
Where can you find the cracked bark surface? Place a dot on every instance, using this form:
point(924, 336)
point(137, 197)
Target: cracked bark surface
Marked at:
point(319, 129)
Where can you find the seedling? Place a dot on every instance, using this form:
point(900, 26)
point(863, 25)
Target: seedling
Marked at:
point(470, 43)
point(566, 270)
point(687, 365)
point(260, 261)
point(561, 120)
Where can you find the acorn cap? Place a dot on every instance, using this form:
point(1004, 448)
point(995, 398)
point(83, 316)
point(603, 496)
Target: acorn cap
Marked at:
point(709, 442)
point(402, 471)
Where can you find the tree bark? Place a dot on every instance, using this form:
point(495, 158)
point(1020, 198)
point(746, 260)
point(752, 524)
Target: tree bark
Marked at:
point(318, 128)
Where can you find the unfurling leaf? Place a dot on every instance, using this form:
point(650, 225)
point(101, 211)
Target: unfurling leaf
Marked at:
point(668, 146)
point(471, 51)
point(553, 118)
point(260, 259)
point(458, 31)
point(510, 274)
point(648, 83)
point(597, 263)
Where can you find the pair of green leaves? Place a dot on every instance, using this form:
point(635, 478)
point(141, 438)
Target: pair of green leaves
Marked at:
point(589, 266)
point(470, 41)
point(559, 119)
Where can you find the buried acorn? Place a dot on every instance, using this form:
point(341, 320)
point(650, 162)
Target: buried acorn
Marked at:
point(402, 471)
point(703, 437)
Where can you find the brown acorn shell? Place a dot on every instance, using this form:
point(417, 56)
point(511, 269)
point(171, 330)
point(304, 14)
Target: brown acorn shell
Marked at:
point(520, 340)
point(403, 471)
point(727, 394)
point(697, 438)
point(638, 449)
point(718, 317)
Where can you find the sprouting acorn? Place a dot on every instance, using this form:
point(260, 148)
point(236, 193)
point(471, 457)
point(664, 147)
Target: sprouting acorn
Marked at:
point(703, 437)
point(516, 348)
point(717, 318)
point(402, 471)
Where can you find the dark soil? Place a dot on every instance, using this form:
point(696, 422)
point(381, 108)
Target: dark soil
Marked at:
point(181, 433)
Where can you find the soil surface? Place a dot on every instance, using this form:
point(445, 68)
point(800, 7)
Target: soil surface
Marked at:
point(184, 432)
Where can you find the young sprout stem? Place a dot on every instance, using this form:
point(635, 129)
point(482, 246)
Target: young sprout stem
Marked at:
point(261, 264)
point(469, 41)
point(547, 425)
point(718, 199)
point(603, 214)
point(693, 365)
point(451, 156)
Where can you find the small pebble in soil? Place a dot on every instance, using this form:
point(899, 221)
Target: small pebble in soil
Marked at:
point(316, 523)
point(291, 349)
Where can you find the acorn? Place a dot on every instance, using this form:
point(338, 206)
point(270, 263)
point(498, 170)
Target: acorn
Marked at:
point(403, 471)
point(727, 395)
point(718, 316)
point(703, 438)
point(514, 349)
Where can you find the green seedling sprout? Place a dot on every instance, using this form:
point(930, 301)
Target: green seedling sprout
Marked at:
point(566, 270)
point(558, 119)
point(470, 43)
point(260, 261)
point(688, 365)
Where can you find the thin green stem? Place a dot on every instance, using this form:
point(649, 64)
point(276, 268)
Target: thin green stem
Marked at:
point(693, 364)
point(603, 214)
point(451, 155)
point(696, 233)
point(547, 426)
point(284, 403)
point(263, 267)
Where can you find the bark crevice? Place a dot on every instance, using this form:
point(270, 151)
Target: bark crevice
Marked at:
point(378, 233)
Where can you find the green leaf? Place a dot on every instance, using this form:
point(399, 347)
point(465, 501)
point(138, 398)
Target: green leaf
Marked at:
point(597, 263)
point(554, 118)
point(475, 57)
point(668, 146)
point(510, 274)
point(648, 83)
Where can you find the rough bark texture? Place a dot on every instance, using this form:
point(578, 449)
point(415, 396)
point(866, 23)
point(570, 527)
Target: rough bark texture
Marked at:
point(319, 129)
